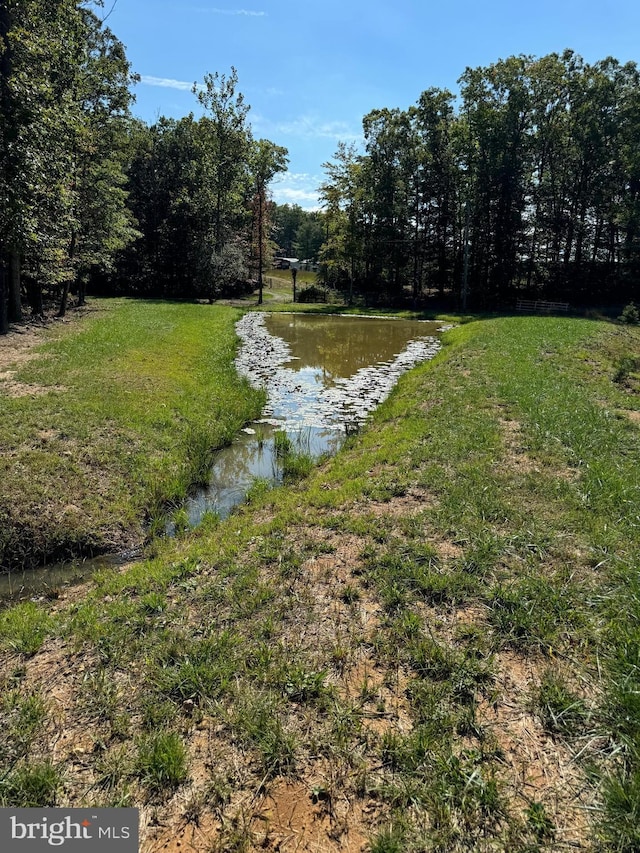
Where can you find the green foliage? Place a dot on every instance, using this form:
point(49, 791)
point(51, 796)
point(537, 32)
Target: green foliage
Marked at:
point(31, 785)
point(540, 822)
point(620, 828)
point(624, 368)
point(391, 839)
point(198, 670)
point(257, 721)
point(64, 118)
point(24, 627)
point(22, 718)
point(293, 460)
point(162, 761)
point(560, 711)
point(311, 294)
point(534, 612)
point(630, 314)
point(439, 190)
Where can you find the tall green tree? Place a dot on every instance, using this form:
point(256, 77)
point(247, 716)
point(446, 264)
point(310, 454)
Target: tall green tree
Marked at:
point(226, 139)
point(343, 195)
point(65, 82)
point(309, 236)
point(41, 45)
point(287, 219)
point(100, 222)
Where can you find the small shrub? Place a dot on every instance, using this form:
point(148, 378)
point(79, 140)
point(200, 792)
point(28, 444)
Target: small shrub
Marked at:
point(311, 294)
point(630, 314)
point(624, 368)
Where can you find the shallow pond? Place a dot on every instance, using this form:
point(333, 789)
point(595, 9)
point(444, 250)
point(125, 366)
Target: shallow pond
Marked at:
point(323, 376)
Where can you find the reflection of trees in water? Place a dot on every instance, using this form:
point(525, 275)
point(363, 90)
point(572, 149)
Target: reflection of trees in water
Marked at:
point(252, 458)
point(242, 462)
point(340, 346)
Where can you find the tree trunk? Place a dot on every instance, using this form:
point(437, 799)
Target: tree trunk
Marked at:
point(15, 303)
point(9, 127)
point(4, 313)
point(65, 290)
point(63, 299)
point(34, 296)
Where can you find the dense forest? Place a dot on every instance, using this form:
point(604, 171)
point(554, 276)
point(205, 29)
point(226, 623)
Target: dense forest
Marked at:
point(93, 198)
point(526, 184)
point(529, 185)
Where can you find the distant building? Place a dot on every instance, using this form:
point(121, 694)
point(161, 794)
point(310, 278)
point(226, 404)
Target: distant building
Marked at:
point(286, 263)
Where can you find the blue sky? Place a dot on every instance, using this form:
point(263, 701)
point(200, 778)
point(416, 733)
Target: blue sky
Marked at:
point(312, 70)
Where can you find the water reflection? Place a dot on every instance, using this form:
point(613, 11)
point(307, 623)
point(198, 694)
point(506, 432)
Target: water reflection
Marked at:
point(251, 458)
point(323, 375)
point(327, 347)
point(49, 580)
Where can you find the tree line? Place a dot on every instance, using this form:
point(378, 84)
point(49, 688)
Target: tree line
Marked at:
point(91, 197)
point(527, 184)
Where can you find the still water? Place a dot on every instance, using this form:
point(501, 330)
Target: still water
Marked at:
point(323, 376)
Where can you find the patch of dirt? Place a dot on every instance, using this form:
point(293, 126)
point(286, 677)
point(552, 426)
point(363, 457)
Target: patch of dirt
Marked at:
point(19, 345)
point(515, 455)
point(536, 767)
point(17, 348)
point(185, 837)
point(293, 817)
point(21, 389)
point(414, 501)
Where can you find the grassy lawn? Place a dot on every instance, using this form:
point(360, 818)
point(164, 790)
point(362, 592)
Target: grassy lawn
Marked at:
point(430, 643)
point(111, 420)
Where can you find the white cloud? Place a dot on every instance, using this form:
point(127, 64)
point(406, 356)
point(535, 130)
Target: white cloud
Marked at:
point(307, 127)
point(297, 188)
point(166, 83)
point(311, 127)
point(248, 12)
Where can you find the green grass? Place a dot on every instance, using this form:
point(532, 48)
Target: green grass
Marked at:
point(162, 761)
point(469, 559)
point(131, 406)
point(24, 627)
point(31, 786)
